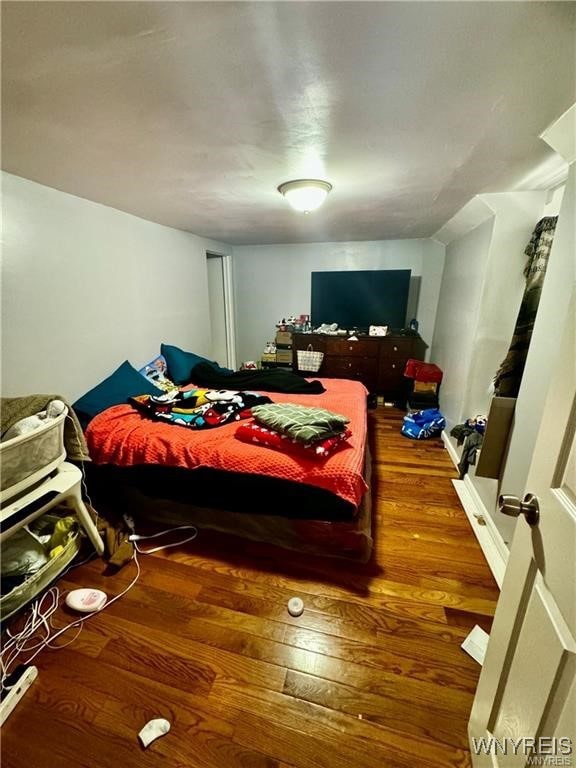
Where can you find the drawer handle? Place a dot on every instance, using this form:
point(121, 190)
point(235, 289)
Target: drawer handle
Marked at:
point(395, 349)
point(393, 365)
point(350, 348)
point(349, 365)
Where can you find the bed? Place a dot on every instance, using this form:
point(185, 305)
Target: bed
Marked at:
point(211, 478)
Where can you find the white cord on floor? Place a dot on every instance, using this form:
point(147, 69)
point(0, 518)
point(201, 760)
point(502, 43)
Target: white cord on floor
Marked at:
point(40, 620)
point(134, 537)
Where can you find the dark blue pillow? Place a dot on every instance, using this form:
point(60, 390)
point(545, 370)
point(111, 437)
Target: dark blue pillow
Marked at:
point(180, 363)
point(125, 382)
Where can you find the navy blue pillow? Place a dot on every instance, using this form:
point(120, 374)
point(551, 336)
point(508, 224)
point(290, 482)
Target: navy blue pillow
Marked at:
point(125, 382)
point(180, 363)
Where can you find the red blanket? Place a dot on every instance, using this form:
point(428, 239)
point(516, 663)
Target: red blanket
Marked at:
point(251, 432)
point(123, 437)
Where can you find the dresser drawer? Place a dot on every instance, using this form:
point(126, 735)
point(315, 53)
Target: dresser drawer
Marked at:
point(344, 348)
point(391, 372)
point(362, 368)
point(398, 348)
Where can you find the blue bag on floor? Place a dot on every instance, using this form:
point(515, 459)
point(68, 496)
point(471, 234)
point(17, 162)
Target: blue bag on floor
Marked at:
point(421, 424)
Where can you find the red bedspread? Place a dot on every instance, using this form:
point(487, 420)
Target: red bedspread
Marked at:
point(124, 437)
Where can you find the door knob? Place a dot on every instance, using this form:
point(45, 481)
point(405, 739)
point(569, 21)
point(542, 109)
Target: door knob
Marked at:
point(511, 505)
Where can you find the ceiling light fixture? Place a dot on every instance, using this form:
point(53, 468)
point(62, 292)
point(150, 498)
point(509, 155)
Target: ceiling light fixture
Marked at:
point(305, 194)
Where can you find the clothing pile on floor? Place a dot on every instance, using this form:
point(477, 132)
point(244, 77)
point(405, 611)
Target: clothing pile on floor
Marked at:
point(471, 436)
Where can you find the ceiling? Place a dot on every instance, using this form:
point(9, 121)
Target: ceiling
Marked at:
point(191, 113)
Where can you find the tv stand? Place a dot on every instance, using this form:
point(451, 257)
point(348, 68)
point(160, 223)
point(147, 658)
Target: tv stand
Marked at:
point(377, 361)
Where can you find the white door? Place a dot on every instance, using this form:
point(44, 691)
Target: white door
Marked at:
point(217, 298)
point(527, 689)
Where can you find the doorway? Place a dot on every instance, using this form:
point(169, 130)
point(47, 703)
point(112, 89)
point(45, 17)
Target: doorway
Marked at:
point(220, 304)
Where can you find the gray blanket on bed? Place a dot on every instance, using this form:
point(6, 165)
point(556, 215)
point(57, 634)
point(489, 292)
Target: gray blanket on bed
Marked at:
point(15, 408)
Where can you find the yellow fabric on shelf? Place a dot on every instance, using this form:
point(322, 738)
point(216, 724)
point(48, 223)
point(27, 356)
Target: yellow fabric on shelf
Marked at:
point(61, 535)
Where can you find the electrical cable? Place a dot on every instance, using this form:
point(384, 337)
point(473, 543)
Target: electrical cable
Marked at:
point(136, 538)
point(39, 620)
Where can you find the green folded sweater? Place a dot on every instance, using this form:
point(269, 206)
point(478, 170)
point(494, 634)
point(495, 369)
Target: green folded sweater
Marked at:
point(302, 423)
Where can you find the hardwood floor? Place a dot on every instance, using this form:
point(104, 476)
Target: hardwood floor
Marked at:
point(370, 676)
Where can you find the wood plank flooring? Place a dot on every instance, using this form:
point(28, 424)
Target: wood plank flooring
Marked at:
point(371, 675)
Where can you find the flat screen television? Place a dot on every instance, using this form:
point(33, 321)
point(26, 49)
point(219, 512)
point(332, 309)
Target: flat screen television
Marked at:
point(358, 299)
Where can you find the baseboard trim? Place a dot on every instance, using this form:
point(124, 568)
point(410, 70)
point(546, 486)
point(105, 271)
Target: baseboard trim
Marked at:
point(499, 542)
point(452, 452)
point(488, 536)
point(493, 546)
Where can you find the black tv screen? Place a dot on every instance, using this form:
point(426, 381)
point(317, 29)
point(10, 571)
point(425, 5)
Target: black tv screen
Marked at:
point(358, 299)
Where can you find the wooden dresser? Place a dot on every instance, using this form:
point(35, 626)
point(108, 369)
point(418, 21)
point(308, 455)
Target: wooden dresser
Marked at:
point(377, 361)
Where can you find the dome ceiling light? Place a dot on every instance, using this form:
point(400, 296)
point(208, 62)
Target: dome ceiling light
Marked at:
point(305, 195)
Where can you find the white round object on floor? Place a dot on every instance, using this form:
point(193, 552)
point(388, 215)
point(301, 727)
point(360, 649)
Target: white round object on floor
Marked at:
point(295, 606)
point(86, 600)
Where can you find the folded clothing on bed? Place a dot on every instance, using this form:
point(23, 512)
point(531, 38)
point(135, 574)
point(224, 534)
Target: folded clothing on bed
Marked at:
point(251, 432)
point(199, 408)
point(302, 423)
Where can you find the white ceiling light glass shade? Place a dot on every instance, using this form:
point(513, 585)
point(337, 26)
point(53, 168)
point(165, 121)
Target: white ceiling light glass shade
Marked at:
point(305, 194)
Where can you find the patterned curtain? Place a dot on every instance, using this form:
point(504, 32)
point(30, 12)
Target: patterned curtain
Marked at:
point(509, 375)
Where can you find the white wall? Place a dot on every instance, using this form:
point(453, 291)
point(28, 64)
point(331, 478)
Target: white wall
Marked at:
point(482, 288)
point(457, 316)
point(86, 286)
point(544, 344)
point(515, 216)
point(273, 281)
